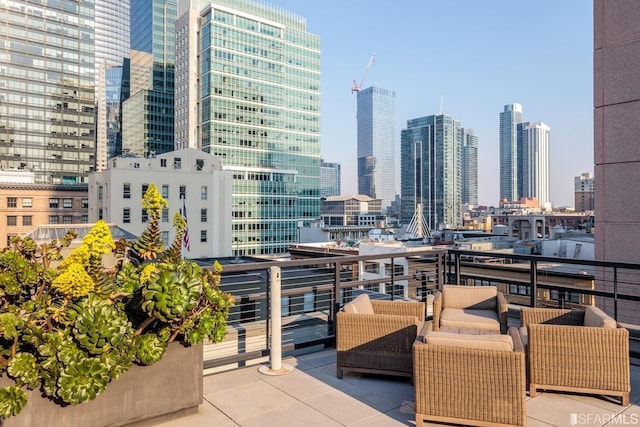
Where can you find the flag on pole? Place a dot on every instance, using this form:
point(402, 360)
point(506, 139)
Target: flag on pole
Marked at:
point(185, 234)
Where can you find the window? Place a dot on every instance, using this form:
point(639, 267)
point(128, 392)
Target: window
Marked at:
point(100, 192)
point(199, 164)
point(67, 203)
point(203, 235)
point(145, 187)
point(165, 191)
point(67, 219)
point(515, 289)
point(84, 219)
point(27, 202)
point(12, 202)
point(12, 221)
point(163, 163)
point(372, 267)
point(54, 219)
point(165, 215)
point(27, 220)
point(177, 163)
point(183, 191)
point(165, 238)
point(100, 215)
point(203, 215)
point(145, 215)
point(54, 203)
point(126, 215)
point(126, 191)
point(203, 192)
point(85, 203)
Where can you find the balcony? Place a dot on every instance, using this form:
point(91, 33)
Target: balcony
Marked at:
point(236, 393)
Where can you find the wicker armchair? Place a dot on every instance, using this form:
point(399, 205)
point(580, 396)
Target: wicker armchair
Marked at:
point(563, 354)
point(465, 309)
point(468, 384)
point(380, 342)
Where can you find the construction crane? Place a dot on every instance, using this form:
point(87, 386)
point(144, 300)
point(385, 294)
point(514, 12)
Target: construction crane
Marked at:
point(356, 87)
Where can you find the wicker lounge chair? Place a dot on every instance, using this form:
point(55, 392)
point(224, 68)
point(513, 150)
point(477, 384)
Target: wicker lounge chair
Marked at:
point(377, 336)
point(476, 380)
point(582, 351)
point(470, 309)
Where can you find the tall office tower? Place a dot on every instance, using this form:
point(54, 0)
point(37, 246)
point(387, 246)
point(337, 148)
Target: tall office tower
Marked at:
point(258, 108)
point(533, 138)
point(469, 167)
point(431, 160)
point(112, 76)
point(584, 190)
point(329, 179)
point(509, 119)
point(148, 114)
point(377, 144)
point(47, 80)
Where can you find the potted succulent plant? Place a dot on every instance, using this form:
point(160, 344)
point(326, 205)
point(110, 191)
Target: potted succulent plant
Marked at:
point(70, 326)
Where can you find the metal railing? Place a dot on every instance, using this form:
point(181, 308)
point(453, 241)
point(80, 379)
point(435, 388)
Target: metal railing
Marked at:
point(313, 290)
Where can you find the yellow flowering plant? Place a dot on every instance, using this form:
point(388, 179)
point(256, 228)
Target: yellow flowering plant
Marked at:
point(69, 325)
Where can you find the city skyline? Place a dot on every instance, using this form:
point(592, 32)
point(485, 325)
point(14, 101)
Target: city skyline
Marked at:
point(486, 58)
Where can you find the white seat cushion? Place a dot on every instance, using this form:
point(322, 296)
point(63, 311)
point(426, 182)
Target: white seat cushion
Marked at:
point(360, 305)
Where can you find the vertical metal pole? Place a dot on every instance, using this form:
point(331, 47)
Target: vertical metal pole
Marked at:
point(275, 353)
point(533, 277)
point(393, 280)
point(457, 261)
point(615, 293)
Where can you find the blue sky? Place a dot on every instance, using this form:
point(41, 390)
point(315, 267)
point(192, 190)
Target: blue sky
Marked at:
point(476, 56)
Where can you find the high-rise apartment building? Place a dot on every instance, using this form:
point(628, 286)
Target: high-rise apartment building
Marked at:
point(509, 119)
point(469, 167)
point(431, 160)
point(377, 144)
point(330, 179)
point(148, 114)
point(47, 79)
point(584, 190)
point(112, 43)
point(533, 176)
point(257, 107)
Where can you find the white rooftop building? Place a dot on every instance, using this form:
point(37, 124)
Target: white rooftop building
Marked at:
point(115, 195)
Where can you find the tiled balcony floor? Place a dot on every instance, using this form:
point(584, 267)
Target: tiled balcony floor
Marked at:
point(311, 395)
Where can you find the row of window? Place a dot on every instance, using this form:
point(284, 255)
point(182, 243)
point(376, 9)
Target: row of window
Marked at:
point(126, 215)
point(126, 191)
point(27, 220)
point(54, 202)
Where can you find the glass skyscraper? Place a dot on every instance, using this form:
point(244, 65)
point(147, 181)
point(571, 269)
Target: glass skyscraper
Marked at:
point(112, 43)
point(330, 179)
point(377, 144)
point(431, 175)
point(148, 114)
point(253, 96)
point(47, 80)
point(533, 138)
point(469, 167)
point(509, 119)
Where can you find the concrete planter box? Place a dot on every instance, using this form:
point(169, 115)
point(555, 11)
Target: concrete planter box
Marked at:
point(144, 395)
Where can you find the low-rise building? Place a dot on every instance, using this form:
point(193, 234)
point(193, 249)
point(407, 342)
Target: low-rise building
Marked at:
point(189, 179)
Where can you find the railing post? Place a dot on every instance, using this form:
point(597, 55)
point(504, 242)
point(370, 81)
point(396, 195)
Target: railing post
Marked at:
point(615, 293)
point(275, 351)
point(393, 280)
point(334, 304)
point(533, 277)
point(457, 262)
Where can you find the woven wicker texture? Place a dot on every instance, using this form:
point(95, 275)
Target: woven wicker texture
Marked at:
point(575, 357)
point(470, 386)
point(379, 342)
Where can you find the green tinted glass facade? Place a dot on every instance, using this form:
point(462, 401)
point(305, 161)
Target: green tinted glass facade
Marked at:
point(47, 78)
point(260, 112)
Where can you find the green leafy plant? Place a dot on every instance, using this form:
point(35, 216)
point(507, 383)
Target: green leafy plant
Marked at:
point(69, 325)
